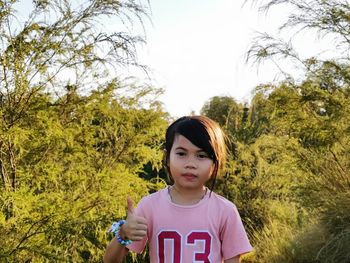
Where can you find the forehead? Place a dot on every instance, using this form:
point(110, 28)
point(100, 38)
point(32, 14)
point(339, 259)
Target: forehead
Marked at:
point(181, 141)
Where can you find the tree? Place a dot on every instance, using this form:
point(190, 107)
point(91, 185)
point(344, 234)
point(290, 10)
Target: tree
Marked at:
point(58, 46)
point(225, 110)
point(78, 158)
point(327, 18)
point(314, 111)
point(73, 137)
point(231, 116)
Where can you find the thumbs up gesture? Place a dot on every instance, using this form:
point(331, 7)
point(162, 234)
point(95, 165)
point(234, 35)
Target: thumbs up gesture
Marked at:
point(135, 227)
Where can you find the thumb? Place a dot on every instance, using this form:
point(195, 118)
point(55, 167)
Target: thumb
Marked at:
point(130, 206)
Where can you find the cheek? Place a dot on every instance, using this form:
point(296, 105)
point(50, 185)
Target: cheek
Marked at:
point(173, 163)
point(173, 159)
point(173, 169)
point(211, 170)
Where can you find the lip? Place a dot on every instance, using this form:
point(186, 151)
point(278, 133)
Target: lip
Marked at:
point(189, 176)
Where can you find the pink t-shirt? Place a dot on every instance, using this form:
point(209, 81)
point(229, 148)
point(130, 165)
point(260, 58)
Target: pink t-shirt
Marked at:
point(209, 231)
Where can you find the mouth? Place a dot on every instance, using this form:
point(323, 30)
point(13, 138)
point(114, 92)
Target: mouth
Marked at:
point(189, 176)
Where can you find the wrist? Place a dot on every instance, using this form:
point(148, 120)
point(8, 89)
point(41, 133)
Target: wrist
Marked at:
point(122, 234)
point(115, 229)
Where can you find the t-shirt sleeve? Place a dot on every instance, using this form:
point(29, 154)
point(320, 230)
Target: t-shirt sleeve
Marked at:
point(233, 235)
point(139, 246)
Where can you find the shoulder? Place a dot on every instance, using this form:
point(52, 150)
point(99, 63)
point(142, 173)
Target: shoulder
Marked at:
point(154, 197)
point(224, 207)
point(221, 201)
point(151, 203)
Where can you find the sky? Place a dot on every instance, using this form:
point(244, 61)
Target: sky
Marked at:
point(196, 50)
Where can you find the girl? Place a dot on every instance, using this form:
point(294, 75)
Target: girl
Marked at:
point(185, 222)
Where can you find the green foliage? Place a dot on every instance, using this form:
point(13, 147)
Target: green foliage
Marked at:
point(289, 171)
point(77, 159)
point(295, 179)
point(262, 179)
point(225, 111)
point(292, 175)
point(60, 43)
point(73, 148)
point(73, 139)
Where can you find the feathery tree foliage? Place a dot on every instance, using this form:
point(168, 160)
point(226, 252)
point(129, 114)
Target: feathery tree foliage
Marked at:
point(292, 175)
point(73, 137)
point(75, 141)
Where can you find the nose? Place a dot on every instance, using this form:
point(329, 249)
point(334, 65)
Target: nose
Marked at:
point(191, 164)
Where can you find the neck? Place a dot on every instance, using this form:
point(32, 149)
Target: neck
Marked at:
point(186, 196)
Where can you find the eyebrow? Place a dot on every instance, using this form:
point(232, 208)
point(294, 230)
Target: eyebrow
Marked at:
point(184, 149)
point(180, 148)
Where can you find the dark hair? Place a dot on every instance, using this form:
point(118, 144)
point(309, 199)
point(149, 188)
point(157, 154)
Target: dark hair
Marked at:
point(205, 134)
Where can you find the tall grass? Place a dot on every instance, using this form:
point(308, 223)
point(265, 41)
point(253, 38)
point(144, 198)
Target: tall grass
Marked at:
point(323, 236)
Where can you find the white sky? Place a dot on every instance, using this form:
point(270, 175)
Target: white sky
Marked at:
point(197, 49)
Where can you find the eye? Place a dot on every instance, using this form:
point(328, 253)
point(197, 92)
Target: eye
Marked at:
point(203, 155)
point(180, 153)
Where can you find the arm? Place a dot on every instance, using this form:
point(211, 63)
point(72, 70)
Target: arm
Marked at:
point(115, 252)
point(234, 238)
point(236, 259)
point(134, 228)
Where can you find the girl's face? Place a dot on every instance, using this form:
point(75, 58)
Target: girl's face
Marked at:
point(190, 166)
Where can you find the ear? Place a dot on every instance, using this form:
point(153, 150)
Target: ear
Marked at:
point(214, 171)
point(165, 161)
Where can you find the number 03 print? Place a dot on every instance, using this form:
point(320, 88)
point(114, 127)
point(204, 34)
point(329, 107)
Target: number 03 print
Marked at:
point(191, 239)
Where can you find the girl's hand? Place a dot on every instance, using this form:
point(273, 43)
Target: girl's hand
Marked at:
point(135, 227)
